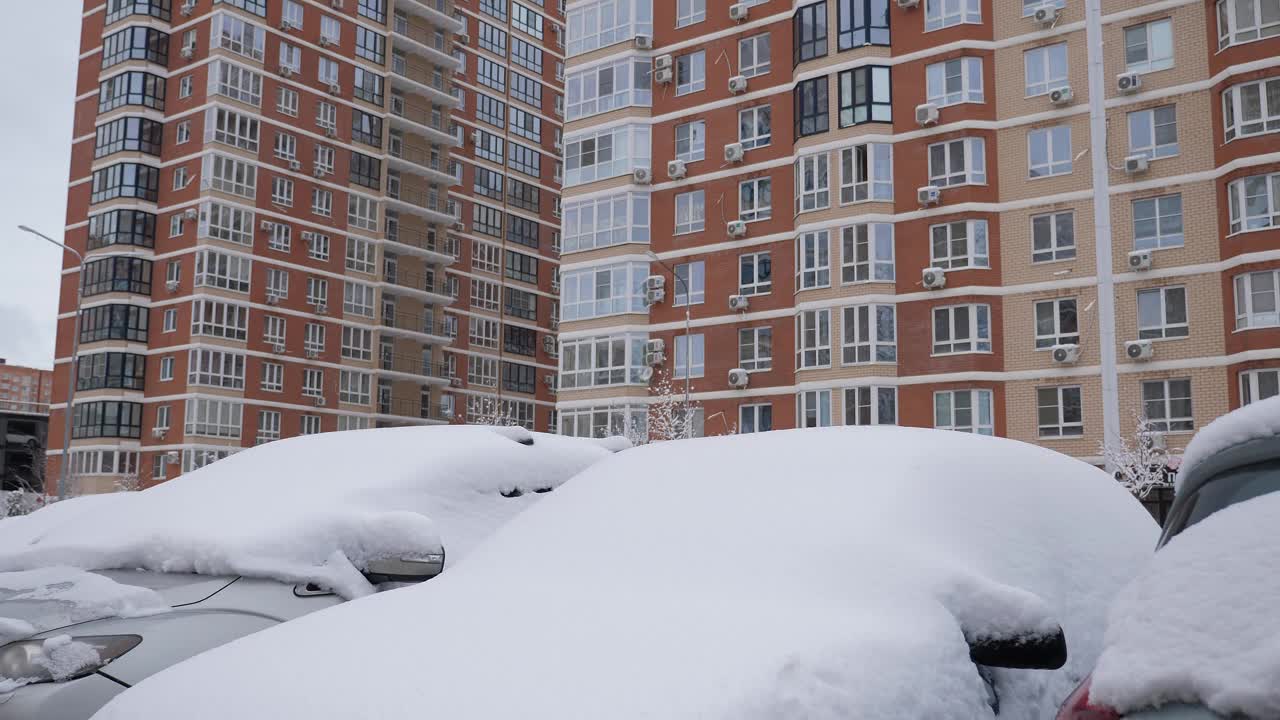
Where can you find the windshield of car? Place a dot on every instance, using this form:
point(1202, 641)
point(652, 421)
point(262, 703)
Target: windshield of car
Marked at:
point(1234, 486)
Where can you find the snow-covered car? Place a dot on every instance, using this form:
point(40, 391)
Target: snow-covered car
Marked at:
point(1196, 635)
point(98, 593)
point(851, 572)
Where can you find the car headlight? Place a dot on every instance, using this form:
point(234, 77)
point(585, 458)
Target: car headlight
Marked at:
point(59, 658)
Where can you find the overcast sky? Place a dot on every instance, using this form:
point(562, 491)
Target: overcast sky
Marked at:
point(38, 76)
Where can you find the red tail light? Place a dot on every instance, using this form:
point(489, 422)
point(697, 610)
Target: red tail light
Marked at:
point(1078, 707)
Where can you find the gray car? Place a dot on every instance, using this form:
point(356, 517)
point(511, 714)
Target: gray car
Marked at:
point(206, 612)
point(1235, 473)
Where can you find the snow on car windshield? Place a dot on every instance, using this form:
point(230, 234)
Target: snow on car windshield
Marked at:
point(1255, 420)
point(1199, 624)
point(314, 508)
point(823, 573)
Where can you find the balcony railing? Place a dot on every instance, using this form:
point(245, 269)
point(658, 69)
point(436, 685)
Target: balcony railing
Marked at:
point(415, 322)
point(417, 198)
point(415, 280)
point(434, 242)
point(413, 365)
point(421, 157)
point(408, 407)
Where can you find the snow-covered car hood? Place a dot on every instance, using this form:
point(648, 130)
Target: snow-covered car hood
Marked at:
point(1200, 624)
point(827, 573)
point(33, 601)
point(314, 508)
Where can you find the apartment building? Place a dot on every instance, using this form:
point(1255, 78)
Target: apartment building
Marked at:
point(24, 389)
point(511, 87)
point(270, 220)
point(1038, 219)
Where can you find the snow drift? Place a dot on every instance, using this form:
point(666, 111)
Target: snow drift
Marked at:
point(826, 573)
point(314, 508)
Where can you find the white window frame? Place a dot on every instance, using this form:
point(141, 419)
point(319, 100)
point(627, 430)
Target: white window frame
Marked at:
point(1165, 420)
point(813, 339)
point(1248, 297)
point(1054, 67)
point(967, 71)
point(1251, 385)
point(1146, 121)
point(756, 286)
point(694, 71)
point(976, 239)
point(755, 348)
point(869, 334)
point(940, 14)
point(1057, 334)
point(691, 212)
point(1056, 157)
point(750, 48)
point(750, 206)
point(872, 400)
point(813, 182)
point(1234, 123)
point(813, 260)
point(272, 377)
point(973, 340)
point(1238, 196)
point(877, 185)
point(979, 404)
point(694, 141)
point(974, 150)
point(749, 119)
point(689, 12)
point(875, 241)
point(815, 404)
point(1058, 247)
point(1054, 401)
point(1167, 225)
point(697, 362)
point(693, 289)
point(1154, 32)
point(1166, 299)
point(1233, 30)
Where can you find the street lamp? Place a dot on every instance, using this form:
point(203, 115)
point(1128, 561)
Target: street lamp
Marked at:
point(65, 465)
point(688, 338)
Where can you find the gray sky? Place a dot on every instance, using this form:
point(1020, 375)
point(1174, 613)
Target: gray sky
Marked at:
point(37, 75)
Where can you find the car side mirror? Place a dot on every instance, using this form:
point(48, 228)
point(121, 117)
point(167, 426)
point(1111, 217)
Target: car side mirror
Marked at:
point(408, 569)
point(1025, 652)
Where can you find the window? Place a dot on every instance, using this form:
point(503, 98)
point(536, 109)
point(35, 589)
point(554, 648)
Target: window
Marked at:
point(327, 71)
point(1056, 323)
point(365, 128)
point(1149, 47)
point(523, 159)
point(813, 260)
point(871, 406)
point(366, 170)
point(870, 333)
point(755, 274)
point(310, 425)
point(492, 39)
point(368, 86)
point(1029, 7)
point(370, 45)
point(354, 387)
point(122, 227)
point(811, 107)
point(486, 220)
point(689, 12)
point(690, 212)
point(691, 141)
point(1254, 202)
point(959, 245)
point(813, 339)
point(519, 378)
point(526, 125)
point(312, 383)
point(1053, 236)
point(1258, 385)
point(110, 418)
point(862, 22)
point(1256, 298)
point(131, 88)
point(521, 267)
point(1154, 133)
point(281, 237)
point(1167, 405)
point(955, 81)
point(526, 55)
point(686, 363)
point(120, 9)
point(484, 294)
point(810, 28)
point(495, 8)
point(866, 173)
point(114, 322)
point(1242, 21)
point(185, 85)
point(483, 333)
point(754, 127)
point(326, 116)
point(286, 146)
point(755, 199)
point(522, 231)
point(961, 329)
point(215, 368)
point(129, 133)
point(136, 42)
point(1251, 108)
point(1162, 313)
point(689, 284)
point(600, 361)
point(691, 72)
point(273, 330)
point(945, 13)
point(360, 255)
point(238, 36)
point(520, 304)
point(753, 55)
point(866, 253)
point(219, 319)
point(519, 340)
point(223, 270)
point(268, 426)
point(1157, 222)
point(116, 274)
point(523, 195)
point(610, 86)
point(1049, 151)
point(357, 299)
point(362, 212)
point(182, 133)
point(755, 418)
point(230, 175)
point(128, 180)
point(526, 20)
point(964, 411)
point(111, 370)
point(755, 348)
point(958, 162)
point(1045, 68)
point(282, 192)
point(600, 23)
point(600, 154)
point(813, 409)
point(317, 243)
point(170, 320)
point(865, 95)
point(208, 417)
point(812, 183)
point(526, 90)
point(1059, 412)
point(277, 284)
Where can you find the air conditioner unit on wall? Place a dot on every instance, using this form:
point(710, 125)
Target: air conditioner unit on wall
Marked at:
point(739, 303)
point(738, 378)
point(1139, 350)
point(733, 152)
point(927, 114)
point(1128, 83)
point(1140, 260)
point(1066, 354)
point(676, 169)
point(933, 278)
point(1061, 96)
point(929, 195)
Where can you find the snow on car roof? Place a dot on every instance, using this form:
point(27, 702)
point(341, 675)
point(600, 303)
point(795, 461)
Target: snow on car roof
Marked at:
point(1199, 624)
point(313, 508)
point(814, 573)
point(1256, 420)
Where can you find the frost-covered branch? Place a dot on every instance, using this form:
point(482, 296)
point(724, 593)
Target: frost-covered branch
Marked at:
point(1141, 464)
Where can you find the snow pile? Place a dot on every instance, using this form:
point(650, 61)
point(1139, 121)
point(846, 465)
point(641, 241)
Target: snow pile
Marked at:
point(65, 657)
point(1199, 624)
point(1255, 420)
point(54, 597)
point(825, 573)
point(314, 508)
